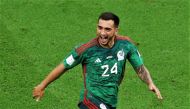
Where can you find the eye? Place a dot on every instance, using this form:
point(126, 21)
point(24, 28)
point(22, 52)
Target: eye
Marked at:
point(108, 29)
point(99, 27)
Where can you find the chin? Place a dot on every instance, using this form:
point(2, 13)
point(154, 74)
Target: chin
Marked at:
point(106, 43)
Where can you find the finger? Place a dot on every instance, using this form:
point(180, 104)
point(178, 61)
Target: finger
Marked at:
point(153, 90)
point(37, 99)
point(35, 94)
point(159, 96)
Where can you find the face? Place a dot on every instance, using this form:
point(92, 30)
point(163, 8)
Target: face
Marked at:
point(106, 32)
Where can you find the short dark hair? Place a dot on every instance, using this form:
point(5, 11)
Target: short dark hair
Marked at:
point(110, 16)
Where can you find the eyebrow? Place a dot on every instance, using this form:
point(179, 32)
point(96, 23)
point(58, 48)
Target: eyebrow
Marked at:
point(100, 26)
point(107, 28)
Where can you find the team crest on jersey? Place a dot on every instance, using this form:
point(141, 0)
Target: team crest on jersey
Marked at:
point(120, 55)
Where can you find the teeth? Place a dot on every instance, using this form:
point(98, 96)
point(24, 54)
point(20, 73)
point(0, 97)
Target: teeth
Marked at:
point(102, 37)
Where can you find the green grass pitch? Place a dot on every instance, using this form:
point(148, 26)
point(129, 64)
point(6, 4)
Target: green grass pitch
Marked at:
point(35, 36)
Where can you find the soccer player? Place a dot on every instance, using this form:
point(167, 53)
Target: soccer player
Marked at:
point(103, 61)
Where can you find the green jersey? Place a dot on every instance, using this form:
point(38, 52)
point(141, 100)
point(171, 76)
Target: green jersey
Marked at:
point(103, 68)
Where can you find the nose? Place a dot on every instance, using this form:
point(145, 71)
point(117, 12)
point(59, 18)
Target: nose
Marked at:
point(102, 32)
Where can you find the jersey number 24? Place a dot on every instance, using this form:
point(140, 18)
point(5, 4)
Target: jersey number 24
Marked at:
point(106, 69)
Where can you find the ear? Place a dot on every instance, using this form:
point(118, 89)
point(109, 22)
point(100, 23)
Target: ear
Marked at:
point(116, 31)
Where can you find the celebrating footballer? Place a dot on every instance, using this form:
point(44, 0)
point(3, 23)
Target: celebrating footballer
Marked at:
point(103, 61)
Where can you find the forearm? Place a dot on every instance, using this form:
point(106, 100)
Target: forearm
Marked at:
point(144, 74)
point(53, 75)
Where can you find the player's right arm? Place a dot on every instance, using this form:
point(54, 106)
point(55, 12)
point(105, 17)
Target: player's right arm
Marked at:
point(53, 75)
point(74, 58)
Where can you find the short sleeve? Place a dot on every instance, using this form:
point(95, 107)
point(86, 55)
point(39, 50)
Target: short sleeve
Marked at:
point(72, 60)
point(134, 57)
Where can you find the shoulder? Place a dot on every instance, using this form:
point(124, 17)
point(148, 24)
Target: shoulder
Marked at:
point(120, 37)
point(126, 38)
point(87, 45)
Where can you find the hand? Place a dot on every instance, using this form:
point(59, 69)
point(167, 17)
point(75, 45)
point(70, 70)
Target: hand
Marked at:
point(153, 88)
point(38, 92)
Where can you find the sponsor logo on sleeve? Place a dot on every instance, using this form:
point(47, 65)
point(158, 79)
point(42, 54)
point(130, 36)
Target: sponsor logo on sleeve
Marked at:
point(70, 60)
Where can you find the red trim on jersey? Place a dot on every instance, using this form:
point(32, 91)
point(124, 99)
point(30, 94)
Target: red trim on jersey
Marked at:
point(87, 45)
point(84, 74)
point(87, 102)
point(118, 37)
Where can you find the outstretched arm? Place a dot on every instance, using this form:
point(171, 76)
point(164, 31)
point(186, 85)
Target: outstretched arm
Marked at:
point(144, 75)
point(53, 75)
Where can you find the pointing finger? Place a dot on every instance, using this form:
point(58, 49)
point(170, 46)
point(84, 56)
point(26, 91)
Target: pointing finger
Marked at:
point(37, 99)
point(159, 96)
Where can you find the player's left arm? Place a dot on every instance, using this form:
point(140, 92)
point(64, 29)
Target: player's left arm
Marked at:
point(144, 75)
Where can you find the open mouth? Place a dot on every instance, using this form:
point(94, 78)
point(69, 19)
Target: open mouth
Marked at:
point(103, 39)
